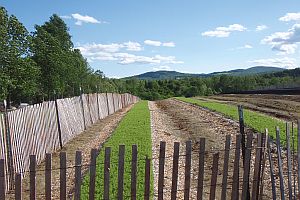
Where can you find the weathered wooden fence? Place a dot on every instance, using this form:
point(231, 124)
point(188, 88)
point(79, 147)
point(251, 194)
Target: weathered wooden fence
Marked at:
point(228, 178)
point(43, 128)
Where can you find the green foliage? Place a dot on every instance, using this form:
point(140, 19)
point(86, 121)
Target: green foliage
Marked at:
point(133, 129)
point(254, 120)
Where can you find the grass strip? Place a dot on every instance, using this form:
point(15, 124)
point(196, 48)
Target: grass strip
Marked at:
point(257, 121)
point(133, 129)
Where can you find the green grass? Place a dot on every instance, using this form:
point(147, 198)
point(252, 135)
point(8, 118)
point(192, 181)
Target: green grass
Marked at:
point(254, 120)
point(133, 129)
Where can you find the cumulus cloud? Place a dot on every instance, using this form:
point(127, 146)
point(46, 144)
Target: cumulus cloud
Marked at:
point(157, 43)
point(261, 27)
point(163, 67)
point(285, 62)
point(112, 52)
point(284, 42)
point(290, 17)
point(224, 31)
point(80, 19)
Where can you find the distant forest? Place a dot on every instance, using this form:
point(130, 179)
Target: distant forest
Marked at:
point(44, 64)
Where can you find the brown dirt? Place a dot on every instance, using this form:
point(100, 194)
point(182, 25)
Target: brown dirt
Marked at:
point(93, 137)
point(286, 107)
point(175, 121)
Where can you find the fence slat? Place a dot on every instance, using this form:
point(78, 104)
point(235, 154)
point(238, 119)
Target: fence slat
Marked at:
point(188, 162)
point(271, 169)
point(106, 173)
point(201, 169)
point(236, 169)
point(92, 174)
point(247, 162)
point(133, 171)
point(121, 171)
point(298, 158)
point(225, 167)
point(48, 166)
point(175, 170)
point(63, 175)
point(265, 147)
point(2, 180)
point(18, 187)
point(162, 152)
point(289, 161)
point(78, 159)
point(147, 180)
point(280, 163)
point(257, 168)
point(214, 176)
point(32, 176)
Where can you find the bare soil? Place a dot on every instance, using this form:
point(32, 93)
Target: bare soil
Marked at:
point(93, 137)
point(286, 107)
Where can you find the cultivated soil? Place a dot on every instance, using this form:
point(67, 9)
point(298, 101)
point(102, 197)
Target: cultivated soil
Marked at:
point(93, 137)
point(285, 107)
point(176, 121)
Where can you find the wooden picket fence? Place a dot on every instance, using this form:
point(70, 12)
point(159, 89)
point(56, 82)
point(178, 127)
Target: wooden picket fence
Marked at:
point(46, 127)
point(244, 178)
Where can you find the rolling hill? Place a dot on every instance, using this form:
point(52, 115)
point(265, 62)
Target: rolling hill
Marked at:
point(159, 75)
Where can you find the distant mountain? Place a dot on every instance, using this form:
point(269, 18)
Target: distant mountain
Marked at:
point(160, 75)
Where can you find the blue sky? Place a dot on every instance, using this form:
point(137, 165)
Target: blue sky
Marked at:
point(124, 38)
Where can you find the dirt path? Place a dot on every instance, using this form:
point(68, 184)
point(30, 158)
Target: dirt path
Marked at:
point(93, 137)
point(174, 121)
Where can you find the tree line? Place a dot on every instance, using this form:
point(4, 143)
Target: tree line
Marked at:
point(43, 64)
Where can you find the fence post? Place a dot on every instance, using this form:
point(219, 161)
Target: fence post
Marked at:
point(113, 99)
point(63, 175)
point(58, 124)
point(93, 164)
point(188, 162)
point(147, 180)
point(9, 148)
point(2, 180)
point(225, 167)
point(280, 163)
point(78, 159)
point(257, 167)
point(97, 93)
point(107, 104)
point(48, 176)
point(289, 162)
point(32, 176)
point(201, 169)
point(214, 176)
point(242, 130)
point(161, 170)
point(271, 169)
point(265, 148)
point(175, 170)
point(82, 107)
point(18, 187)
point(245, 190)
point(236, 169)
point(133, 171)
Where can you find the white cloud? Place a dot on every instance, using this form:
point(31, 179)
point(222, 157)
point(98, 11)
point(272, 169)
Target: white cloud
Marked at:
point(65, 17)
point(261, 27)
point(290, 17)
point(168, 44)
point(284, 62)
point(224, 31)
point(284, 42)
point(157, 43)
point(163, 67)
point(133, 46)
point(111, 52)
point(80, 19)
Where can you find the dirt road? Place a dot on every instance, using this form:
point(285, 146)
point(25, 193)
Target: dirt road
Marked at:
point(174, 121)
